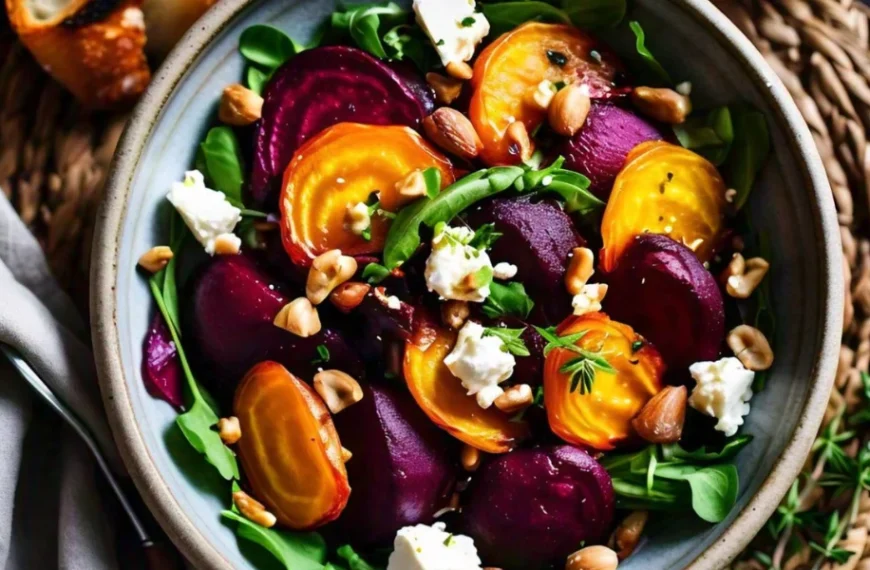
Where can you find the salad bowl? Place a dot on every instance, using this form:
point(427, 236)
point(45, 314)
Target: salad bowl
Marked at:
point(790, 205)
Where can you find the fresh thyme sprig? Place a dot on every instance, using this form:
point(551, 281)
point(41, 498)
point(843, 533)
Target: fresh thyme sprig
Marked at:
point(581, 368)
point(511, 339)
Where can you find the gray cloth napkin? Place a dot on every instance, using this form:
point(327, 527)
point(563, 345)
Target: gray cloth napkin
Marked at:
point(51, 513)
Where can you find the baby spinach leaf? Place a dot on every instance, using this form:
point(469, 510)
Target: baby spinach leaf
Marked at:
point(404, 237)
point(222, 158)
point(432, 177)
point(407, 41)
point(750, 150)
point(714, 491)
point(571, 186)
point(674, 451)
point(710, 134)
point(257, 79)
point(267, 46)
point(653, 66)
point(168, 285)
point(509, 300)
point(594, 14)
point(354, 560)
point(375, 273)
point(363, 23)
point(505, 16)
point(295, 550)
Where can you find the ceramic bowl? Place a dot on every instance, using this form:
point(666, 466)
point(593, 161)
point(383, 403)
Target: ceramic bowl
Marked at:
point(792, 204)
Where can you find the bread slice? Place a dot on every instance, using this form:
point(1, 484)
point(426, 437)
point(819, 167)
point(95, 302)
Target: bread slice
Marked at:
point(167, 20)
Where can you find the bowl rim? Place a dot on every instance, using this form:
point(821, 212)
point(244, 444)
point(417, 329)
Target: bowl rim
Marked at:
point(159, 497)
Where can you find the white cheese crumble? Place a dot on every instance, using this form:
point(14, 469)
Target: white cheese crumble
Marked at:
point(455, 270)
point(424, 547)
point(453, 26)
point(480, 363)
point(207, 212)
point(588, 300)
point(723, 391)
point(504, 271)
point(544, 94)
point(358, 218)
point(394, 303)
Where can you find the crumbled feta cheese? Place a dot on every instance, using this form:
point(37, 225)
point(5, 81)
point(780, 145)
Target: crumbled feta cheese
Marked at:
point(684, 88)
point(453, 26)
point(723, 391)
point(504, 271)
point(457, 271)
point(424, 547)
point(207, 212)
point(588, 300)
point(394, 303)
point(358, 217)
point(480, 363)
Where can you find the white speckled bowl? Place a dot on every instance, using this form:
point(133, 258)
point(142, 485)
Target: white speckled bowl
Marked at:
point(792, 203)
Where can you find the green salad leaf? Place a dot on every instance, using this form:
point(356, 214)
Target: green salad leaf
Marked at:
point(375, 273)
point(221, 157)
point(571, 186)
point(652, 65)
point(505, 16)
point(364, 24)
point(257, 79)
point(267, 46)
point(709, 134)
point(750, 150)
point(354, 560)
point(294, 550)
point(507, 300)
point(594, 14)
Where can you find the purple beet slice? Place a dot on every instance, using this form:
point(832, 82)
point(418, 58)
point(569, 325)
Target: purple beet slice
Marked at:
point(161, 369)
point(231, 328)
point(532, 508)
point(403, 468)
point(323, 87)
point(598, 151)
point(538, 239)
point(661, 290)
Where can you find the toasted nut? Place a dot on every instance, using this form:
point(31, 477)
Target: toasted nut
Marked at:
point(447, 89)
point(589, 299)
point(742, 277)
point(470, 457)
point(580, 269)
point(338, 389)
point(265, 226)
point(240, 106)
point(455, 313)
point(346, 455)
point(328, 271)
point(253, 510)
point(661, 419)
point(543, 95)
point(230, 430)
point(569, 109)
point(227, 244)
point(453, 132)
point(592, 558)
point(518, 136)
point(750, 346)
point(627, 534)
point(299, 317)
point(662, 104)
point(459, 70)
point(347, 296)
point(388, 301)
point(515, 398)
point(413, 185)
point(155, 258)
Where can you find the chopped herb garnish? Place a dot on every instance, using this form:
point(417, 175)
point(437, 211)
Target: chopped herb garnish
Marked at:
point(449, 540)
point(507, 300)
point(468, 22)
point(511, 339)
point(539, 397)
point(484, 237)
point(482, 277)
point(559, 85)
point(322, 355)
point(557, 58)
point(636, 345)
point(439, 43)
point(582, 368)
point(375, 273)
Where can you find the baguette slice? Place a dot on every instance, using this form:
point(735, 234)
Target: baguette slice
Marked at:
point(167, 20)
point(95, 48)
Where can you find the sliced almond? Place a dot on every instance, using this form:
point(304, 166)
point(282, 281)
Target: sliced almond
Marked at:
point(453, 132)
point(661, 419)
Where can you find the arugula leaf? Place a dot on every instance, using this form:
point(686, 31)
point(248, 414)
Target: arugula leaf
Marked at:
point(267, 46)
point(511, 339)
point(484, 237)
point(222, 158)
point(674, 451)
point(571, 186)
point(167, 278)
point(710, 135)
point(363, 22)
point(507, 300)
point(652, 64)
point(750, 150)
point(505, 16)
point(594, 14)
point(404, 238)
point(354, 560)
point(375, 273)
point(294, 550)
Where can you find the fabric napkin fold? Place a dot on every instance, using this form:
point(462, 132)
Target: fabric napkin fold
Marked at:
point(51, 512)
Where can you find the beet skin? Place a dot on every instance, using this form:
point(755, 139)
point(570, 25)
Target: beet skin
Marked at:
point(661, 290)
point(599, 149)
point(533, 507)
point(161, 369)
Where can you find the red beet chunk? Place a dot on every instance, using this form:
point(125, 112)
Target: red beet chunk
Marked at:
point(533, 507)
point(537, 238)
point(599, 149)
point(161, 369)
point(661, 289)
point(231, 327)
point(403, 468)
point(323, 87)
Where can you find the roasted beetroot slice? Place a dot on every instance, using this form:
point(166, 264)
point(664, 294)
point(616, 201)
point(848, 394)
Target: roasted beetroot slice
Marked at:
point(161, 370)
point(661, 290)
point(323, 87)
point(230, 328)
point(599, 149)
